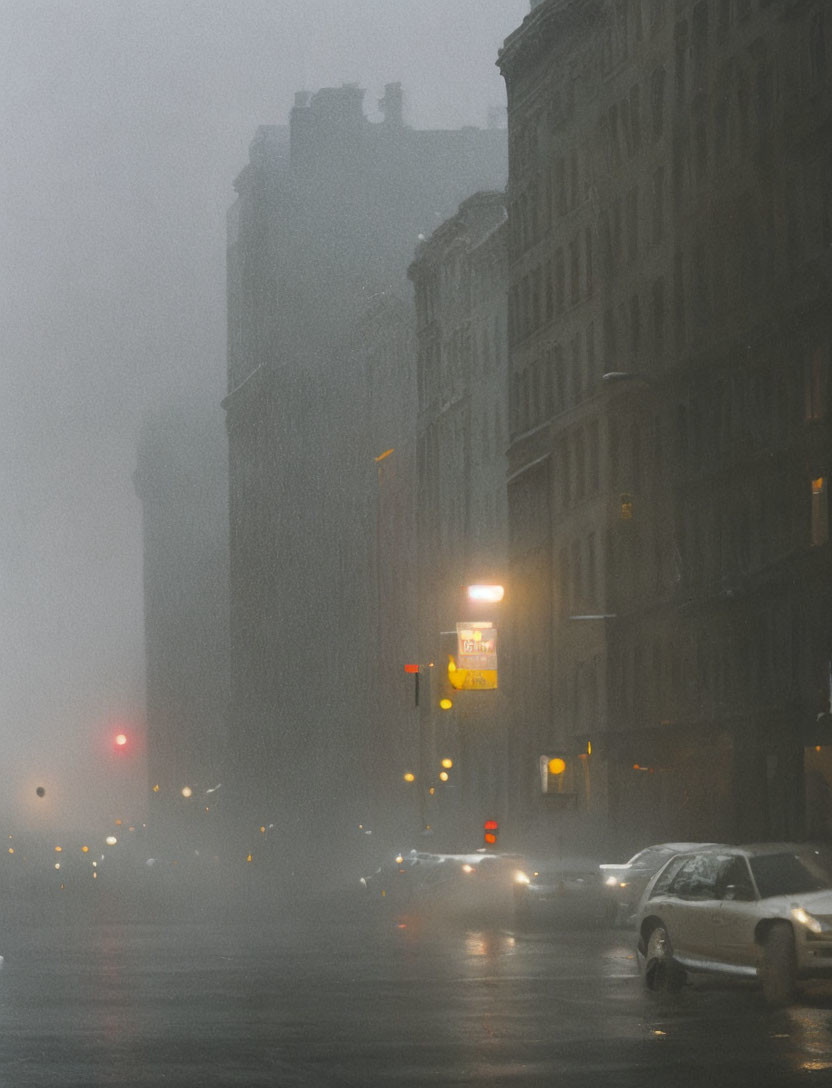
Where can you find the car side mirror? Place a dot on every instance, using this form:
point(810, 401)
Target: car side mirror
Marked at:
point(739, 892)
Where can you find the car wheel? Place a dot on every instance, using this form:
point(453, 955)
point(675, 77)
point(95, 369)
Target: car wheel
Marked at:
point(778, 967)
point(661, 972)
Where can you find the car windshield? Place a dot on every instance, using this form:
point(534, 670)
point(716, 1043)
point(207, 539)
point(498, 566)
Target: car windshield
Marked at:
point(653, 857)
point(790, 874)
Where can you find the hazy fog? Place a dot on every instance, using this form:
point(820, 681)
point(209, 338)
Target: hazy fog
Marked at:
point(124, 125)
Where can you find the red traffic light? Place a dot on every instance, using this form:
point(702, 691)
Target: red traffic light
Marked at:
point(490, 829)
point(411, 668)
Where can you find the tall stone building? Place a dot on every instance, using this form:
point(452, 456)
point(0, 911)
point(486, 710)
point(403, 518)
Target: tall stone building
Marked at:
point(182, 481)
point(670, 446)
point(325, 221)
point(460, 275)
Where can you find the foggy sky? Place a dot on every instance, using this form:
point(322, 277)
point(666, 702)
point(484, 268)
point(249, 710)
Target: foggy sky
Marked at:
point(125, 123)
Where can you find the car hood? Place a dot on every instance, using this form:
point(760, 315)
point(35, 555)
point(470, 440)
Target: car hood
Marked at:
point(819, 903)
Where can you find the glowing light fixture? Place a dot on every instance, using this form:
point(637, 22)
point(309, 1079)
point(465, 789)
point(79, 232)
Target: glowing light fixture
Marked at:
point(488, 594)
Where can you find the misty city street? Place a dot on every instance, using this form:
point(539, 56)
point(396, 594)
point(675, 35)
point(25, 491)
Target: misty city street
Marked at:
point(416, 545)
point(329, 996)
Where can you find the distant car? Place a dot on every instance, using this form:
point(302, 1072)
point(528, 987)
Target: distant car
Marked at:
point(761, 911)
point(479, 883)
point(398, 876)
point(566, 890)
point(625, 883)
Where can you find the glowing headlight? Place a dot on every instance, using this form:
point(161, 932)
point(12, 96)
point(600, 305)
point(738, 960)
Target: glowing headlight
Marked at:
point(612, 881)
point(521, 878)
point(467, 868)
point(805, 919)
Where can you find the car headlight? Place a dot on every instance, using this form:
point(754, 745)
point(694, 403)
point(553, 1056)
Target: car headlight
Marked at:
point(467, 868)
point(806, 919)
point(612, 881)
point(521, 878)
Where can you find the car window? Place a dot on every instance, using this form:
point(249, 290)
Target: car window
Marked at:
point(734, 880)
point(665, 879)
point(696, 878)
point(790, 874)
point(651, 858)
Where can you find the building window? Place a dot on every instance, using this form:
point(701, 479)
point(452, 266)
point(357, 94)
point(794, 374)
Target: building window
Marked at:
point(593, 457)
point(700, 39)
point(577, 368)
point(609, 340)
point(635, 327)
point(816, 377)
point(820, 511)
point(560, 379)
point(588, 260)
point(658, 316)
point(658, 205)
point(560, 282)
point(657, 82)
point(574, 272)
point(817, 47)
point(632, 225)
point(635, 119)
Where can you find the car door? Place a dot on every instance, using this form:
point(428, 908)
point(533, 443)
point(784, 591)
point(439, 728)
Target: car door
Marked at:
point(737, 916)
point(694, 904)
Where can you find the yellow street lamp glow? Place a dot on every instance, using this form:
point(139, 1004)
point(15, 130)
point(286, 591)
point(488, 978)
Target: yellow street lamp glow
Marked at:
point(409, 776)
point(187, 791)
point(443, 776)
point(85, 849)
point(556, 765)
point(447, 763)
point(445, 704)
point(489, 594)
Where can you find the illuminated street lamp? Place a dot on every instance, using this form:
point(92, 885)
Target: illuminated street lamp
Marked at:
point(488, 594)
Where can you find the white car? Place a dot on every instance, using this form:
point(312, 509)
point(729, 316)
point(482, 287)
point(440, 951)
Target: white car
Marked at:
point(757, 911)
point(625, 883)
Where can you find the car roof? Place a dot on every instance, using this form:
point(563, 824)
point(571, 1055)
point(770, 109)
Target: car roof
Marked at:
point(756, 849)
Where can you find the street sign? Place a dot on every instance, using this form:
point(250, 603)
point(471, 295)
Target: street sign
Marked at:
point(476, 656)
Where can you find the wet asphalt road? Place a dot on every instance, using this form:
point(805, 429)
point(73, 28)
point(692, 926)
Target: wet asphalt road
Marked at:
point(330, 998)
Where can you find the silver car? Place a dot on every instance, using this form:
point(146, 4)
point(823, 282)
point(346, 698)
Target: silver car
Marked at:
point(625, 883)
point(760, 911)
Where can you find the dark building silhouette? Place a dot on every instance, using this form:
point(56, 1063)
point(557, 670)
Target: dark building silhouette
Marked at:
point(182, 481)
point(669, 247)
point(323, 223)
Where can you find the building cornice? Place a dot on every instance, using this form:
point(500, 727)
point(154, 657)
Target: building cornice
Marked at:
point(541, 29)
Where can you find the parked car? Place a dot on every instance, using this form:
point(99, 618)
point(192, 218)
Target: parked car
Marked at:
point(761, 911)
point(564, 890)
point(625, 883)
